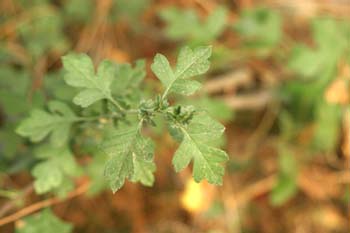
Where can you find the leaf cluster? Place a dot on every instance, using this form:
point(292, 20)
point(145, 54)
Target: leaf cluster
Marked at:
point(111, 97)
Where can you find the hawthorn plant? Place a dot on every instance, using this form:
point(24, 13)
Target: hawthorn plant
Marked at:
point(110, 101)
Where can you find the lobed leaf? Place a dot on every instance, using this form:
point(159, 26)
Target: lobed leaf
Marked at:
point(128, 77)
point(197, 138)
point(56, 123)
point(162, 69)
point(131, 157)
point(189, 63)
point(192, 62)
point(81, 74)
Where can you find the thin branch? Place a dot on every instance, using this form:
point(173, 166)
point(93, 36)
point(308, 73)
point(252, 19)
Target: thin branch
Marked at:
point(265, 185)
point(263, 128)
point(43, 204)
point(252, 101)
point(116, 104)
point(249, 193)
point(230, 81)
point(252, 191)
point(11, 204)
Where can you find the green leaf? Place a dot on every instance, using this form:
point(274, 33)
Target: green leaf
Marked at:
point(131, 157)
point(47, 176)
point(43, 31)
point(180, 23)
point(128, 78)
point(45, 221)
point(197, 138)
point(41, 123)
point(10, 142)
point(215, 23)
point(56, 87)
point(259, 27)
point(314, 62)
point(66, 186)
point(286, 186)
point(161, 68)
point(185, 87)
point(215, 107)
point(73, 10)
point(189, 63)
point(328, 31)
point(32, 3)
point(13, 104)
point(327, 121)
point(288, 126)
point(14, 85)
point(81, 74)
point(95, 172)
point(15, 81)
point(185, 24)
point(284, 190)
point(128, 10)
point(306, 61)
point(57, 165)
point(192, 62)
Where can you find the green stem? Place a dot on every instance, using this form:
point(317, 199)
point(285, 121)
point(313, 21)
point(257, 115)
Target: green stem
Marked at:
point(94, 118)
point(131, 111)
point(116, 104)
point(113, 101)
point(166, 91)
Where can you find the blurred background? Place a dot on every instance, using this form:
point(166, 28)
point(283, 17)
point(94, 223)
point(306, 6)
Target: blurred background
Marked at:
point(279, 82)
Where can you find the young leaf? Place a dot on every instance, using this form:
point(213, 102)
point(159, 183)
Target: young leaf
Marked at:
point(41, 123)
point(189, 63)
point(45, 221)
point(131, 157)
point(81, 74)
point(197, 138)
